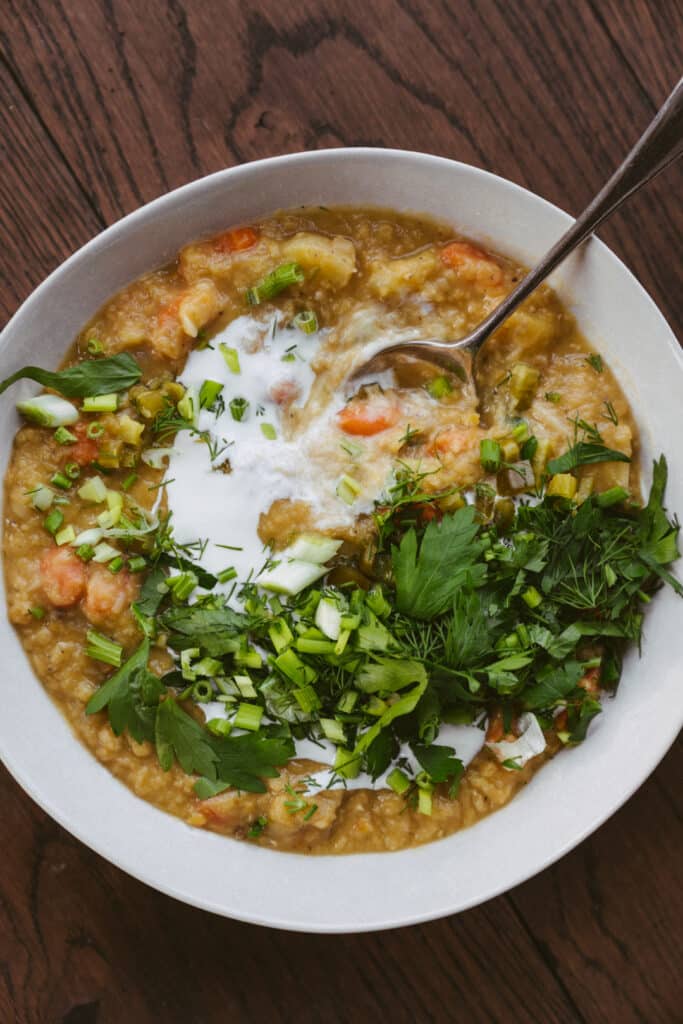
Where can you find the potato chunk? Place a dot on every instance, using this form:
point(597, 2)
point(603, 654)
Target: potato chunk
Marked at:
point(200, 305)
point(334, 258)
point(391, 277)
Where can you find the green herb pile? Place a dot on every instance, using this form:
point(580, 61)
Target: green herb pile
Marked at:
point(470, 618)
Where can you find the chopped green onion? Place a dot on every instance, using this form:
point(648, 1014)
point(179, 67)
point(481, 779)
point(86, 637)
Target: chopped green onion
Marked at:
point(48, 411)
point(129, 481)
point(311, 645)
point(219, 726)
point(306, 321)
point(613, 496)
point(116, 564)
point(348, 489)
point(273, 283)
point(333, 730)
point(257, 827)
point(231, 357)
point(226, 575)
point(490, 455)
point(188, 406)
point(532, 598)
point(42, 497)
point(306, 698)
point(346, 764)
point(439, 387)
point(348, 701)
point(61, 480)
point(137, 564)
point(104, 553)
point(65, 536)
point(398, 781)
point(269, 431)
point(182, 585)
point(238, 408)
point(595, 361)
point(72, 470)
point(53, 521)
point(101, 403)
point(208, 393)
point(101, 648)
point(520, 432)
point(553, 396)
point(64, 436)
point(94, 430)
point(202, 691)
point(245, 686)
point(37, 612)
point(280, 635)
point(248, 717)
point(95, 346)
point(85, 552)
point(424, 799)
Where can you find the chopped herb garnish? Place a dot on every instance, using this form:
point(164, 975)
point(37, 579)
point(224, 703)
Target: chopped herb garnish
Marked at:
point(272, 284)
point(238, 408)
point(595, 361)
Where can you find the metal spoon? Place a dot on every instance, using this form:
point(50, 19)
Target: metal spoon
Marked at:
point(660, 144)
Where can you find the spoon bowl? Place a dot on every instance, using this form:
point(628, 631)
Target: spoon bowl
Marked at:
point(660, 144)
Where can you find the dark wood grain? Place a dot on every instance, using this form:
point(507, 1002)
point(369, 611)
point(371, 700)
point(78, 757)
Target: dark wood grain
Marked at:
point(106, 104)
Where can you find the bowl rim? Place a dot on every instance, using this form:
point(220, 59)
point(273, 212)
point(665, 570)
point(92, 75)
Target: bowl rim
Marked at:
point(83, 831)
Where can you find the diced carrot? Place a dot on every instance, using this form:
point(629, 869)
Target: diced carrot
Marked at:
point(235, 240)
point(85, 450)
point(367, 418)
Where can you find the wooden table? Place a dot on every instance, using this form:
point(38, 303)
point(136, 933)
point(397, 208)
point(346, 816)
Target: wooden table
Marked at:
point(105, 105)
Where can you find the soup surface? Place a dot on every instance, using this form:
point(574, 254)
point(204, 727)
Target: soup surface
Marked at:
point(323, 615)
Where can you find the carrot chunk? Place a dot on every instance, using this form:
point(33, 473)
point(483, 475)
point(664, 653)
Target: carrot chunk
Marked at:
point(367, 418)
point(235, 240)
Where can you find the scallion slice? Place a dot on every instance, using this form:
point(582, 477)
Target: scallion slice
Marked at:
point(490, 455)
point(238, 408)
point(306, 321)
point(208, 393)
point(53, 521)
point(101, 648)
point(48, 411)
point(64, 436)
point(231, 356)
point(273, 283)
point(65, 536)
point(348, 489)
point(101, 403)
point(248, 717)
point(42, 497)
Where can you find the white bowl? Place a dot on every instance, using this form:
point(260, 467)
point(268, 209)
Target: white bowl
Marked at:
point(572, 795)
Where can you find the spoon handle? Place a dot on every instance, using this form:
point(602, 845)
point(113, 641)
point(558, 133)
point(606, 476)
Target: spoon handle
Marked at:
point(660, 144)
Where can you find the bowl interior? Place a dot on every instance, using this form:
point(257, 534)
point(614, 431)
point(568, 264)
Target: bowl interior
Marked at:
point(563, 803)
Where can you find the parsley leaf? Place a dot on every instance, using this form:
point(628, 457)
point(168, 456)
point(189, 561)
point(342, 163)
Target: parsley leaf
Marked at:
point(179, 736)
point(554, 683)
point(427, 579)
point(216, 630)
point(90, 377)
point(440, 764)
